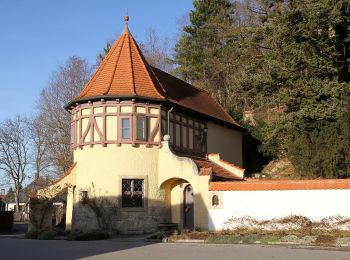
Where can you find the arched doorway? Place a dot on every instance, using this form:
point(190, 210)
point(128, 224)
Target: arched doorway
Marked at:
point(188, 207)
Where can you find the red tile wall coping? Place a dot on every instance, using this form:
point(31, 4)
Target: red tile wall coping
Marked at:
point(256, 185)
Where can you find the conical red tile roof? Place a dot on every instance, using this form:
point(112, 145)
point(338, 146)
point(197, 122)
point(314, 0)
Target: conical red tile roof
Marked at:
point(124, 72)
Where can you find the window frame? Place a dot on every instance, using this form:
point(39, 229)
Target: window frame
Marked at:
point(144, 195)
point(72, 133)
point(130, 128)
point(145, 129)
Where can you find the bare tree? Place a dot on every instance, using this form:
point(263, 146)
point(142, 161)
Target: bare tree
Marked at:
point(156, 49)
point(65, 84)
point(42, 164)
point(14, 153)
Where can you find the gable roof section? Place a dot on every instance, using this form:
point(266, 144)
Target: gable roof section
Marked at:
point(207, 167)
point(185, 95)
point(124, 72)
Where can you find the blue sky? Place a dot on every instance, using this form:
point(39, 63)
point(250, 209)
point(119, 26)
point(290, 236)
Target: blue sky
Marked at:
point(38, 35)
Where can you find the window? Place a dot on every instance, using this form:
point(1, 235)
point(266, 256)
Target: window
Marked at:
point(126, 128)
point(132, 193)
point(215, 200)
point(141, 131)
point(72, 134)
point(84, 197)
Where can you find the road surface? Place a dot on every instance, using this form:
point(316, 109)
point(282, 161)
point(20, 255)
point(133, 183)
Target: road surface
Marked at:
point(117, 249)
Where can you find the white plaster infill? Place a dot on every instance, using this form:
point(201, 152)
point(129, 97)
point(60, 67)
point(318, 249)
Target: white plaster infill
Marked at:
point(173, 166)
point(215, 157)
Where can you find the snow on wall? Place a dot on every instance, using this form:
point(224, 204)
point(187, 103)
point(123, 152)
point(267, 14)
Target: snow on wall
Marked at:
point(269, 204)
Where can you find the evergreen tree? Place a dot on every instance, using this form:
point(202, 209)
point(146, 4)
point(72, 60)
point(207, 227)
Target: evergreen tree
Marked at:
point(202, 50)
point(287, 56)
point(310, 74)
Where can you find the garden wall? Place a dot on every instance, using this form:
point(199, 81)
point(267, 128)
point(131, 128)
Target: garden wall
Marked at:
point(280, 204)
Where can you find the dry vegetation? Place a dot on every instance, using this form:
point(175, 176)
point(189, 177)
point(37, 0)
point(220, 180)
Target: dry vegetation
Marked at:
point(333, 231)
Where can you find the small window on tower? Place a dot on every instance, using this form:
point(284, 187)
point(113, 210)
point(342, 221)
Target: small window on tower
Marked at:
point(72, 134)
point(141, 124)
point(126, 129)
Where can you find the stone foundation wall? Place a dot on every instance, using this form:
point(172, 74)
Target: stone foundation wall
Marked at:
point(122, 221)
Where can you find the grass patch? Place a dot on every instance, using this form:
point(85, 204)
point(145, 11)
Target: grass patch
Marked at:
point(250, 238)
point(224, 239)
point(302, 236)
point(267, 239)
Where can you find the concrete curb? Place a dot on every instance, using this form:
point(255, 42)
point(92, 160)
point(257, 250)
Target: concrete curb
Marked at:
point(15, 236)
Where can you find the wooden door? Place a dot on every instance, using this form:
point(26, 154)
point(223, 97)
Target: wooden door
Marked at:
point(188, 209)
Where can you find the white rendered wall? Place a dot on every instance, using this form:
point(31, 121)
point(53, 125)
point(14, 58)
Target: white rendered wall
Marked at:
point(265, 205)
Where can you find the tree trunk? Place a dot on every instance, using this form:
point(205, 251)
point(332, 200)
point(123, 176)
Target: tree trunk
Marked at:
point(17, 198)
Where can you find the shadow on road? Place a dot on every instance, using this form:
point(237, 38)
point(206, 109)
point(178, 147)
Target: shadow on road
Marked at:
point(62, 249)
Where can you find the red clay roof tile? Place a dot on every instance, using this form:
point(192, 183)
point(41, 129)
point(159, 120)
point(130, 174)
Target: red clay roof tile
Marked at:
point(70, 169)
point(251, 184)
point(207, 167)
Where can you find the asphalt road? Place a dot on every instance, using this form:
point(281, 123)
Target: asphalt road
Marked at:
point(116, 249)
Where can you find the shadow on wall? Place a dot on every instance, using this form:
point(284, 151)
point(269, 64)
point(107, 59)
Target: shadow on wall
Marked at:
point(129, 216)
point(112, 214)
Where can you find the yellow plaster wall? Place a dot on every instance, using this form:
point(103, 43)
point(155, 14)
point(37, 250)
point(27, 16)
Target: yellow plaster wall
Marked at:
point(183, 169)
point(100, 168)
point(225, 141)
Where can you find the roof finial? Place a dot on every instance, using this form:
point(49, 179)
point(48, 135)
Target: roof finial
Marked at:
point(126, 20)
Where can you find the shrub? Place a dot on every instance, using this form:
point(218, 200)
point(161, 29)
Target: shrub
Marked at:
point(197, 229)
point(41, 234)
point(60, 231)
point(89, 235)
point(33, 234)
point(47, 235)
